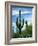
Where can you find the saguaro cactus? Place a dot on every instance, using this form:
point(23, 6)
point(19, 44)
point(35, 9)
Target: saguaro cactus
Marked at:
point(19, 22)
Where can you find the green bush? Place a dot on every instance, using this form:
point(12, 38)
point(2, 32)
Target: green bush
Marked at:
point(24, 34)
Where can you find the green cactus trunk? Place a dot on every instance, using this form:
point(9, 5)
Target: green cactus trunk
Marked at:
point(18, 22)
point(19, 30)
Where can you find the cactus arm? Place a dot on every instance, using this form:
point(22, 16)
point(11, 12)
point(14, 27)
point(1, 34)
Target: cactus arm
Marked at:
point(17, 23)
point(22, 24)
point(26, 23)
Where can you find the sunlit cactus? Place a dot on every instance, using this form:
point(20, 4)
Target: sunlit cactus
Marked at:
point(19, 22)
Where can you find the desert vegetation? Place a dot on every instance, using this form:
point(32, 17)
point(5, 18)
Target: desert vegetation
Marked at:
point(27, 32)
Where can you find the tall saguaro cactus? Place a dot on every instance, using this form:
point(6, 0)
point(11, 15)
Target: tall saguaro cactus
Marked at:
point(19, 22)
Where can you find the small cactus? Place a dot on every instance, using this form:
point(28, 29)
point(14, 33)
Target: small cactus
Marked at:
point(19, 21)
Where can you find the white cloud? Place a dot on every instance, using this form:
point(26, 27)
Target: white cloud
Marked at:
point(25, 26)
point(28, 18)
point(13, 24)
point(26, 12)
point(29, 23)
point(14, 12)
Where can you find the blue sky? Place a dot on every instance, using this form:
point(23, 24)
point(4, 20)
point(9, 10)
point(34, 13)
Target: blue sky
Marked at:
point(26, 14)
